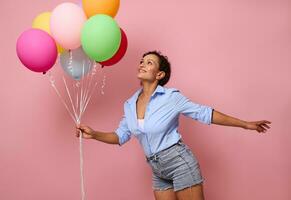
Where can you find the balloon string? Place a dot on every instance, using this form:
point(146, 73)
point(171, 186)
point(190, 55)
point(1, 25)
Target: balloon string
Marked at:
point(86, 84)
point(90, 80)
point(85, 101)
point(70, 67)
point(52, 81)
point(103, 83)
point(78, 84)
point(77, 120)
point(89, 97)
point(80, 138)
point(76, 92)
point(81, 96)
point(69, 94)
point(81, 164)
point(88, 88)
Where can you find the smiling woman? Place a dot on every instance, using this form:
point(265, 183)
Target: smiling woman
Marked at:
point(151, 114)
point(154, 58)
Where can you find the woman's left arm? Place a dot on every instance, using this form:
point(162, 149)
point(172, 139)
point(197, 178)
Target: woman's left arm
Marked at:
point(223, 119)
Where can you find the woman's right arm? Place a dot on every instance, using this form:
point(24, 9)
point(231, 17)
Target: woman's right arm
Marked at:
point(89, 133)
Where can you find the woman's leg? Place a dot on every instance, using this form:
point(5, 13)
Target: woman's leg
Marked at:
point(191, 193)
point(168, 194)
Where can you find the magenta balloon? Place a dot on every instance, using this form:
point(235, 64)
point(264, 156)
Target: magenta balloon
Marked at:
point(37, 50)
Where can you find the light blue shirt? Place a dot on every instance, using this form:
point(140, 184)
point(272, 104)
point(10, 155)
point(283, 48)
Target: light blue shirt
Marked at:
point(161, 119)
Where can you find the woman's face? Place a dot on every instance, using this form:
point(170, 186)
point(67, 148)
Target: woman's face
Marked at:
point(148, 69)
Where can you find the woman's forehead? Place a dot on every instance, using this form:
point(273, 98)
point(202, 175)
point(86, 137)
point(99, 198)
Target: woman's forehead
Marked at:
point(151, 57)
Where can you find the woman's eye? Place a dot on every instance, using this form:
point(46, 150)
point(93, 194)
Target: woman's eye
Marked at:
point(149, 63)
point(140, 62)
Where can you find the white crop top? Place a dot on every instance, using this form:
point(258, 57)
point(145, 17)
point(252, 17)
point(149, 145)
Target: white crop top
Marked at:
point(141, 123)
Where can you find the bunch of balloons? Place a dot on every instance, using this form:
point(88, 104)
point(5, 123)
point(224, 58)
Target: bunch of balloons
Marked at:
point(81, 34)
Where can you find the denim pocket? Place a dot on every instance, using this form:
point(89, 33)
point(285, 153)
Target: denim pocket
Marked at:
point(168, 157)
point(181, 147)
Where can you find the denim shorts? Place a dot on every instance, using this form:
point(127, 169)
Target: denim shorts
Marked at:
point(175, 167)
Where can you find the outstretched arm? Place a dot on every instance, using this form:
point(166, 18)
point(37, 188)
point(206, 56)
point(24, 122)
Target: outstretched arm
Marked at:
point(226, 120)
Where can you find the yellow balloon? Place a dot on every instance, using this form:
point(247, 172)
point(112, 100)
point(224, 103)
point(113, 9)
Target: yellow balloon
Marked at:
point(107, 7)
point(59, 48)
point(42, 21)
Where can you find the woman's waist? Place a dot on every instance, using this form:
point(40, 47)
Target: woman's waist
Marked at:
point(165, 150)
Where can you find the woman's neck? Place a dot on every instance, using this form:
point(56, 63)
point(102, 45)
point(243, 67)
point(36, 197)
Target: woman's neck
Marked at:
point(148, 89)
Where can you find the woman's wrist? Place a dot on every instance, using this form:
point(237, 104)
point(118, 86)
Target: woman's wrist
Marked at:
point(244, 124)
point(94, 135)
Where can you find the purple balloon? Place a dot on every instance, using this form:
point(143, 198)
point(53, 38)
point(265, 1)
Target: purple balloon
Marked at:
point(37, 50)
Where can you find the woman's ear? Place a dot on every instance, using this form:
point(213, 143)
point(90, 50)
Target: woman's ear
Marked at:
point(161, 75)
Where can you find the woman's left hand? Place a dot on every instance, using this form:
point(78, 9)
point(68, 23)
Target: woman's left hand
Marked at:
point(260, 126)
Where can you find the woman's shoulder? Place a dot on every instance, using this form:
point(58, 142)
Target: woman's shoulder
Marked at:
point(171, 89)
point(174, 93)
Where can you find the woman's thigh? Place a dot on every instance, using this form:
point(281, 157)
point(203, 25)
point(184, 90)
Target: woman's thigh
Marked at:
point(182, 168)
point(194, 192)
point(177, 171)
point(168, 194)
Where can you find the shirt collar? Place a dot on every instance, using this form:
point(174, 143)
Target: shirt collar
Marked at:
point(159, 89)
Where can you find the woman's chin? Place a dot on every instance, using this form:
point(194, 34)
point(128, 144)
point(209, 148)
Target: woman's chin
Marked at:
point(139, 77)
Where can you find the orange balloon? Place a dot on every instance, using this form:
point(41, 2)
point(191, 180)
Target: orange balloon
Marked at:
point(107, 7)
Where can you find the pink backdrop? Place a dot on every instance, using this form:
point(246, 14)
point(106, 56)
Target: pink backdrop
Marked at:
point(232, 55)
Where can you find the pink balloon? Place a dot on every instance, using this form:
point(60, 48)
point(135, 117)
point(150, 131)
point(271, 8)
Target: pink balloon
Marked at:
point(66, 24)
point(80, 4)
point(37, 50)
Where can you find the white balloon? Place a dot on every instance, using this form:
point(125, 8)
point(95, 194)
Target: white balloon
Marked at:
point(76, 63)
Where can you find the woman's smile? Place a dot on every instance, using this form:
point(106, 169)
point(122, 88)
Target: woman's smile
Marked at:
point(142, 71)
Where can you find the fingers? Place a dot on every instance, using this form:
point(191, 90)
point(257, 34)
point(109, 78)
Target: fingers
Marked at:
point(265, 125)
point(264, 122)
point(82, 128)
point(261, 128)
point(77, 134)
point(79, 128)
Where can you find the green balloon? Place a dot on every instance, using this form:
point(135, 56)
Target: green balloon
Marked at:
point(100, 37)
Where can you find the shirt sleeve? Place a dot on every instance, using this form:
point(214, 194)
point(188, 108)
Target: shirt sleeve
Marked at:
point(122, 131)
point(199, 112)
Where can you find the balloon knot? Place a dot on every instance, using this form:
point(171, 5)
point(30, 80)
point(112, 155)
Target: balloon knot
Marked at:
point(43, 73)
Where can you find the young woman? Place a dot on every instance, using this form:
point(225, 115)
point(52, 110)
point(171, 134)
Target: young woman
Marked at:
point(151, 115)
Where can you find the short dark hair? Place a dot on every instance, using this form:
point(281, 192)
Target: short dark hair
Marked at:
point(164, 65)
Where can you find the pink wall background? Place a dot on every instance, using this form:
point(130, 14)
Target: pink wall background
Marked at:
point(232, 55)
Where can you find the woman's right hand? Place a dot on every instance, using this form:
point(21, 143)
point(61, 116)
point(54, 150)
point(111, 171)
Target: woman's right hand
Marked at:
point(88, 133)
